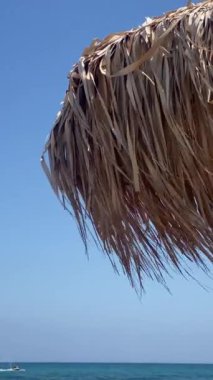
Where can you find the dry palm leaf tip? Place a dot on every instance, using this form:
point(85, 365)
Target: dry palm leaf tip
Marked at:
point(132, 148)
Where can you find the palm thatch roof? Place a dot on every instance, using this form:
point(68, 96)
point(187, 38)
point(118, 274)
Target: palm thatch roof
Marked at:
point(132, 148)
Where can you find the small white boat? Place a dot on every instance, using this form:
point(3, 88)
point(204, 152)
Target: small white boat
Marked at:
point(13, 368)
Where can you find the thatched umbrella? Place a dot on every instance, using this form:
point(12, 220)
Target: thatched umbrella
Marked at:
point(132, 148)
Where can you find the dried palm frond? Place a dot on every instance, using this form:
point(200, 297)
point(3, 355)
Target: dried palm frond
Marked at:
point(132, 148)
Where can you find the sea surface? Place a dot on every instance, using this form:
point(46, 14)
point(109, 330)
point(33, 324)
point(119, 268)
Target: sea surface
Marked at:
point(72, 371)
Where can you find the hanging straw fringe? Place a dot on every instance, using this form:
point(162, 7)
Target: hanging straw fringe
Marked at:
point(132, 149)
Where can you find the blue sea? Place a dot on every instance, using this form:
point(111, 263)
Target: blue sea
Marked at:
point(74, 371)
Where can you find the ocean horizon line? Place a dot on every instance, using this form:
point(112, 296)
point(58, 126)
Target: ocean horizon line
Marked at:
point(106, 362)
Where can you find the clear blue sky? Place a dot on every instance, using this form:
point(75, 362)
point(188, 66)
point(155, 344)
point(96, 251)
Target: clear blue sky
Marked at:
point(54, 303)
